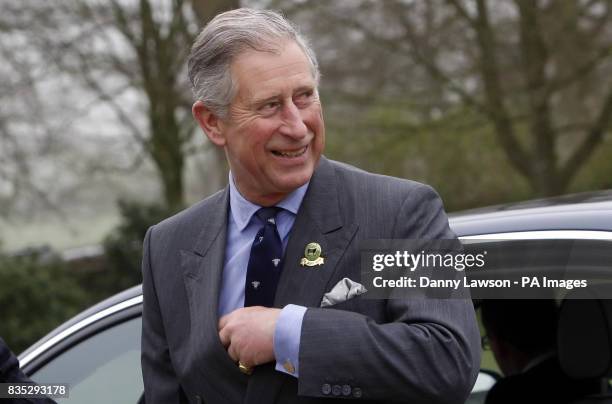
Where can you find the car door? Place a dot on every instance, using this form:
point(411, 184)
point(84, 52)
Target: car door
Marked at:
point(100, 361)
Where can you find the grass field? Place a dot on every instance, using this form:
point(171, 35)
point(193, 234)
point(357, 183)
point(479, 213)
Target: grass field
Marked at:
point(56, 234)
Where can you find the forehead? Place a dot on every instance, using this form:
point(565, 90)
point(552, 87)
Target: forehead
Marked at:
point(260, 74)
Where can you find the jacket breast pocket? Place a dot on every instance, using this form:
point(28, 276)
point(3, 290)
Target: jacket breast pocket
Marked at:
point(373, 308)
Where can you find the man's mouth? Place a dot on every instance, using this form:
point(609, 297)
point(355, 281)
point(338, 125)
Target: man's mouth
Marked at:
point(290, 153)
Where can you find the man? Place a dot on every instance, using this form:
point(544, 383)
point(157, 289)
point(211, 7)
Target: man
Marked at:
point(11, 373)
point(523, 338)
point(221, 324)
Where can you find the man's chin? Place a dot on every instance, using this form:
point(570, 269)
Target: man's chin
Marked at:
point(288, 184)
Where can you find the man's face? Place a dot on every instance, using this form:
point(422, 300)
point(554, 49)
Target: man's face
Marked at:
point(274, 134)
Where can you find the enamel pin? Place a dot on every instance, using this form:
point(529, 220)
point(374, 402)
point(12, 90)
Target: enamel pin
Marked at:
point(312, 255)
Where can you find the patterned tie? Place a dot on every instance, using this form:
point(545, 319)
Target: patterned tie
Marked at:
point(265, 262)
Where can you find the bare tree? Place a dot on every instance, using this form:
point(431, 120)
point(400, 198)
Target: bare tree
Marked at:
point(132, 56)
point(539, 72)
point(23, 139)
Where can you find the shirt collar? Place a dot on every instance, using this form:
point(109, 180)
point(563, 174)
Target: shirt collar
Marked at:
point(242, 210)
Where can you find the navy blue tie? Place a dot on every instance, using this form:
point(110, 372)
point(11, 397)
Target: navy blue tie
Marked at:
point(265, 262)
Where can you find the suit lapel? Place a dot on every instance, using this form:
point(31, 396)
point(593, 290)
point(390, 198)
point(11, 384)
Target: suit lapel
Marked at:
point(202, 270)
point(319, 221)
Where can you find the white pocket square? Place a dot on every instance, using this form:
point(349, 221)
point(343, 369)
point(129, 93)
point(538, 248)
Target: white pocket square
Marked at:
point(344, 290)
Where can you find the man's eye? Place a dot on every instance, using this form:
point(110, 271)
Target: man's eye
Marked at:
point(269, 106)
point(304, 99)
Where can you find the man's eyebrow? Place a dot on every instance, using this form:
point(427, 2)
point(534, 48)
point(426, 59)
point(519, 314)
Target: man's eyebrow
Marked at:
point(262, 101)
point(305, 88)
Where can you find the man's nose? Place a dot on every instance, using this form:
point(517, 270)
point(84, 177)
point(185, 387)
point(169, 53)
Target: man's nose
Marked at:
point(293, 124)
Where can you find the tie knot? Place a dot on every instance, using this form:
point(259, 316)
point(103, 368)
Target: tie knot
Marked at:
point(268, 214)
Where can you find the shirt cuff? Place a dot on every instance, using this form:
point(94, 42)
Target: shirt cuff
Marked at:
point(287, 339)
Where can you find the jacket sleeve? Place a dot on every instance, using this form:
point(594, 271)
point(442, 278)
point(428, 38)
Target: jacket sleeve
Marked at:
point(9, 366)
point(11, 373)
point(160, 381)
point(423, 351)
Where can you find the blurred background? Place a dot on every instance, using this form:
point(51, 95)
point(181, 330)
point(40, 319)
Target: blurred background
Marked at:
point(489, 101)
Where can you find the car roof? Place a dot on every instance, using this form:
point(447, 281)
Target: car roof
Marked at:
point(586, 211)
point(131, 296)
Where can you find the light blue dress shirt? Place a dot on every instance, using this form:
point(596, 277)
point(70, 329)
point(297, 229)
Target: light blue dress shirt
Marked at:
point(241, 230)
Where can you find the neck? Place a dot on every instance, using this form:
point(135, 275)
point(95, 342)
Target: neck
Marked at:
point(261, 199)
point(265, 200)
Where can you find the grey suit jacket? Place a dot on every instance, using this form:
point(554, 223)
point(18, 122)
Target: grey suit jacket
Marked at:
point(418, 351)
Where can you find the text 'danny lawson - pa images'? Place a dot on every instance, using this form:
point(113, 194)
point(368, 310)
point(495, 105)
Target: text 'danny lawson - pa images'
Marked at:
point(485, 269)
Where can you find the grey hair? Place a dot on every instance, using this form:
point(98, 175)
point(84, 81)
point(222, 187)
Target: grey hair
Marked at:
point(225, 37)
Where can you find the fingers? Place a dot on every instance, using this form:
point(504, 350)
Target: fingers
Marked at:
point(225, 337)
point(223, 321)
point(247, 334)
point(225, 333)
point(233, 353)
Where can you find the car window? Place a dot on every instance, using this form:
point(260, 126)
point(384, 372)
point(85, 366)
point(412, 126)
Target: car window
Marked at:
point(104, 368)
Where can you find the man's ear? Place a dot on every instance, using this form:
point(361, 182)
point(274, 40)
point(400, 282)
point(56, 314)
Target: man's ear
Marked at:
point(209, 122)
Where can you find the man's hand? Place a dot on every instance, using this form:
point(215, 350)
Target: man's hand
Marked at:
point(248, 333)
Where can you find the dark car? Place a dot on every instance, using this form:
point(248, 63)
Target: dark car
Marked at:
point(98, 352)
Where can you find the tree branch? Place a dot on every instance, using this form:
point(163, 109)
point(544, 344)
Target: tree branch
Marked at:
point(462, 12)
point(93, 84)
point(593, 138)
point(495, 95)
point(534, 56)
point(581, 71)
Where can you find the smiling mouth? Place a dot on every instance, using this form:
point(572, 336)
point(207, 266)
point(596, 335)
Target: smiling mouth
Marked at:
point(290, 154)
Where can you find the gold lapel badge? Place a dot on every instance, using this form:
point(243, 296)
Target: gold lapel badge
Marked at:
point(312, 255)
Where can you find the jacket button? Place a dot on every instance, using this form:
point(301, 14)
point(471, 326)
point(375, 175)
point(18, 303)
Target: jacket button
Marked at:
point(326, 388)
point(336, 390)
point(357, 392)
point(346, 390)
